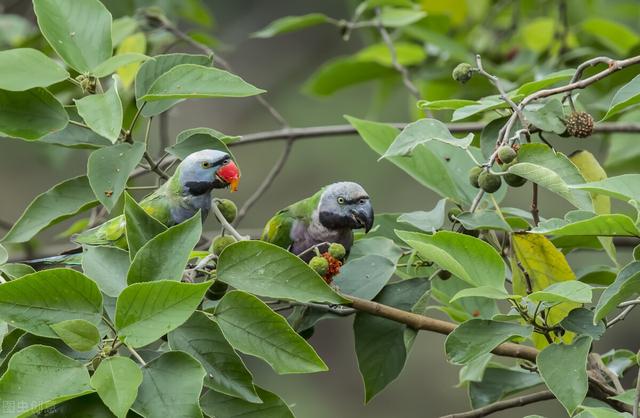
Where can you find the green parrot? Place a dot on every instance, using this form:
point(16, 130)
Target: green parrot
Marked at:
point(328, 216)
point(185, 192)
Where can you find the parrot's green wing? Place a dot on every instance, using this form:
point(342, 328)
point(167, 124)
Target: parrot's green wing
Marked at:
point(113, 232)
point(278, 229)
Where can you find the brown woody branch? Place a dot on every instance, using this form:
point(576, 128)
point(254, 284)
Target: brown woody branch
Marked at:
point(544, 395)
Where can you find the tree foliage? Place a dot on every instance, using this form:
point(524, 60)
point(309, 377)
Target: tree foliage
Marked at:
point(158, 330)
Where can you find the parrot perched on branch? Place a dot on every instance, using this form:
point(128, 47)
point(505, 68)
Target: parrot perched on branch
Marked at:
point(185, 192)
point(329, 216)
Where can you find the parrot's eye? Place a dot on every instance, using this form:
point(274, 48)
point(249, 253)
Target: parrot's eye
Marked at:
point(206, 164)
point(341, 200)
point(362, 201)
point(225, 162)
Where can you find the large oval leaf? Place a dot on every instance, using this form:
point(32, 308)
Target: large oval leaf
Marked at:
point(568, 382)
point(624, 287)
point(176, 379)
point(117, 380)
point(627, 96)
point(79, 31)
point(140, 226)
point(625, 187)
point(364, 277)
point(40, 377)
point(147, 311)
point(25, 68)
point(421, 132)
point(601, 225)
point(190, 81)
point(78, 334)
point(36, 301)
point(165, 256)
point(223, 406)
point(201, 337)
point(51, 207)
point(107, 266)
point(102, 113)
point(30, 114)
point(252, 328)
point(267, 270)
point(108, 170)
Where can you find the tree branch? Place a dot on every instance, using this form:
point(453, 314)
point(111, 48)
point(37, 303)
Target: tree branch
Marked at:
point(544, 395)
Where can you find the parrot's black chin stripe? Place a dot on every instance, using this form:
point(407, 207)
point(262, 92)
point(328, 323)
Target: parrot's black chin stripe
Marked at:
point(198, 188)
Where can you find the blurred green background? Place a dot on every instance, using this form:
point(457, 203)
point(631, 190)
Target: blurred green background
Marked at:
point(281, 65)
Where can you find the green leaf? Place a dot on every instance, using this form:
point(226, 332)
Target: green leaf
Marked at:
point(476, 337)
point(623, 155)
point(498, 383)
point(197, 139)
point(554, 171)
point(111, 65)
point(625, 187)
point(485, 219)
point(343, 72)
point(51, 207)
point(80, 32)
point(30, 114)
point(140, 226)
point(474, 371)
point(109, 168)
point(382, 345)
point(480, 292)
point(628, 95)
point(165, 256)
point(267, 270)
point(468, 258)
point(74, 136)
point(223, 406)
point(624, 287)
point(375, 246)
point(364, 277)
point(538, 33)
point(429, 221)
point(36, 301)
point(600, 412)
point(613, 35)
point(406, 54)
point(291, 24)
point(190, 81)
point(117, 380)
point(395, 17)
point(78, 334)
point(446, 104)
point(484, 105)
point(121, 28)
point(107, 266)
point(102, 113)
point(549, 117)
point(546, 81)
point(38, 378)
point(26, 68)
point(569, 388)
point(600, 225)
point(4, 255)
point(441, 167)
point(176, 379)
point(567, 291)
point(16, 270)
point(580, 321)
point(254, 329)
point(421, 132)
point(147, 311)
point(202, 338)
point(151, 70)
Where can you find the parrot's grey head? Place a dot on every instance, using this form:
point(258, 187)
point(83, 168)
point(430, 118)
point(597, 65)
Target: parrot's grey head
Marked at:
point(345, 205)
point(202, 171)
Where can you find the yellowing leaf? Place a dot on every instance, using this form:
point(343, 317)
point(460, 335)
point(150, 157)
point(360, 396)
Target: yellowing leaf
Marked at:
point(136, 43)
point(538, 34)
point(456, 10)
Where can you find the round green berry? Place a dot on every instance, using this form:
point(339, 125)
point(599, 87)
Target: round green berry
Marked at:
point(337, 251)
point(474, 173)
point(228, 208)
point(217, 290)
point(319, 264)
point(453, 212)
point(220, 243)
point(506, 154)
point(488, 182)
point(463, 72)
point(514, 180)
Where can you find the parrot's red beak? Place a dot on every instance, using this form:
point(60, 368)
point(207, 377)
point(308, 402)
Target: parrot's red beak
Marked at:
point(230, 174)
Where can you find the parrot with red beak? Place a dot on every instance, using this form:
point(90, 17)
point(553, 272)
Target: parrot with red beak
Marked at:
point(185, 193)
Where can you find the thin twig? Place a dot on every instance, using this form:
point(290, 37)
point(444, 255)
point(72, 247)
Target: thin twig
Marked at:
point(544, 395)
point(225, 224)
point(535, 213)
point(137, 356)
point(503, 94)
point(266, 183)
point(621, 316)
point(404, 73)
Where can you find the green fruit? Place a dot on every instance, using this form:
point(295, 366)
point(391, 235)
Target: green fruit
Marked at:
point(337, 251)
point(506, 154)
point(220, 243)
point(488, 182)
point(474, 173)
point(514, 180)
point(320, 265)
point(463, 72)
point(228, 208)
point(453, 212)
point(217, 290)
point(444, 274)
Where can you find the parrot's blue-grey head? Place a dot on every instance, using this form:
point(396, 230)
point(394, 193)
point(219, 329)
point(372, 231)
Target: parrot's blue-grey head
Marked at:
point(345, 205)
point(202, 171)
